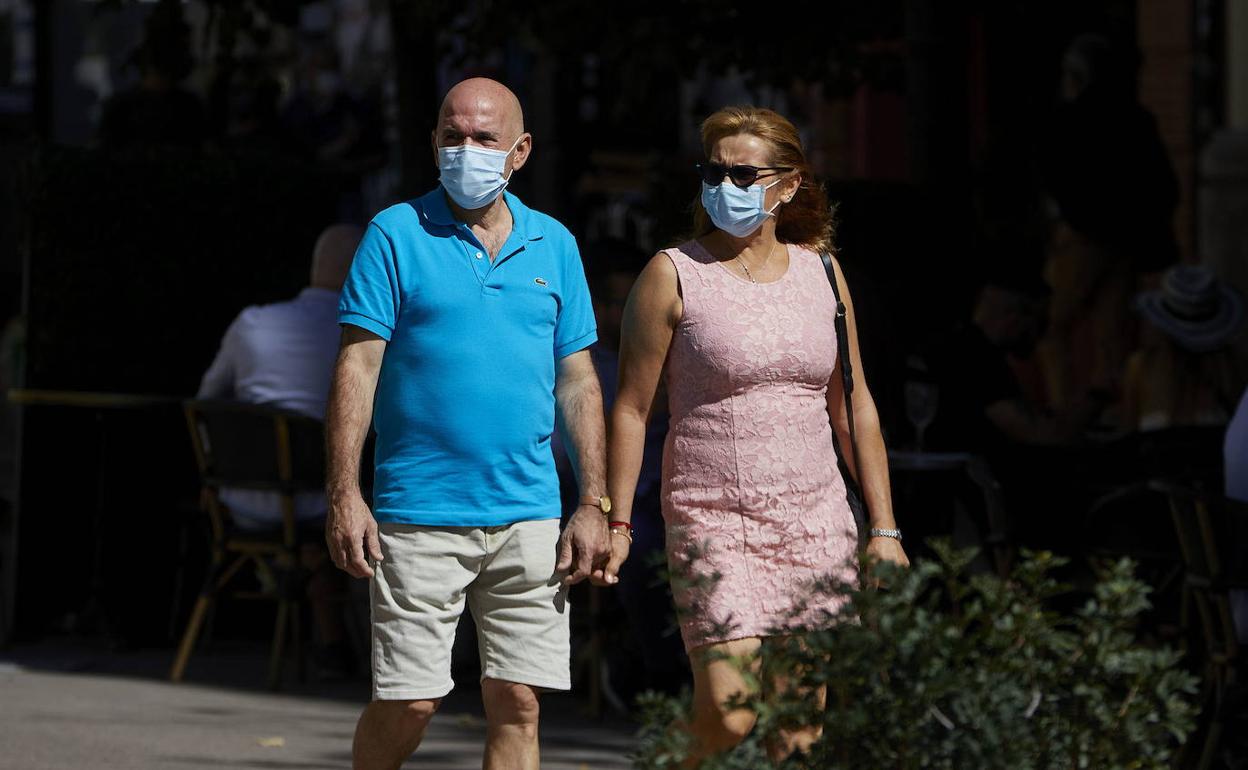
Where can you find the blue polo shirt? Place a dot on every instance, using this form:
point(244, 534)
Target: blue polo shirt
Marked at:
point(465, 403)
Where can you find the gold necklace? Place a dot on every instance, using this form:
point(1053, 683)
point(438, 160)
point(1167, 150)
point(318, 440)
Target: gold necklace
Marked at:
point(761, 264)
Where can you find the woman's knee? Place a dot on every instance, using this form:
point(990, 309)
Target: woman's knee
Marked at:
point(717, 730)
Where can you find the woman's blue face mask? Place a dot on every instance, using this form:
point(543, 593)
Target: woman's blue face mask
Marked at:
point(473, 176)
point(736, 211)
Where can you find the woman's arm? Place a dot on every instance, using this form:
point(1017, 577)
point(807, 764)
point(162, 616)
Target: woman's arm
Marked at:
point(868, 460)
point(650, 317)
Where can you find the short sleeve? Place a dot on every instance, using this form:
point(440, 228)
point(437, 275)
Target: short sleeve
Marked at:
point(219, 380)
point(575, 329)
point(370, 297)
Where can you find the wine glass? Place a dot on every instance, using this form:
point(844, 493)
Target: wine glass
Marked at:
point(922, 399)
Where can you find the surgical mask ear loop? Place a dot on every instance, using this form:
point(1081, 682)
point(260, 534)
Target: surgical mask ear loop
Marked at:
point(771, 211)
point(507, 179)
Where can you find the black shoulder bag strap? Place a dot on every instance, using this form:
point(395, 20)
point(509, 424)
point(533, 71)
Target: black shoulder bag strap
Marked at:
point(857, 502)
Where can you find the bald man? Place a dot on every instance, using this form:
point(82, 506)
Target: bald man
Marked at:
point(466, 327)
point(283, 354)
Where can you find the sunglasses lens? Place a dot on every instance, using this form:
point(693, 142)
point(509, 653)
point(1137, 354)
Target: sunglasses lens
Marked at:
point(743, 176)
point(712, 173)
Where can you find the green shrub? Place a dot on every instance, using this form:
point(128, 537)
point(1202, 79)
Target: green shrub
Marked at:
point(950, 669)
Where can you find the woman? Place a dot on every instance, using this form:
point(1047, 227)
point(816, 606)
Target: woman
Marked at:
point(742, 317)
point(1185, 373)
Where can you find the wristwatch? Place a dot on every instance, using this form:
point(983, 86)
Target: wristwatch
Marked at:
point(893, 533)
point(603, 502)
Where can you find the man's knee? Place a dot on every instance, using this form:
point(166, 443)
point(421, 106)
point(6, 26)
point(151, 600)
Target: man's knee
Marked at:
point(409, 717)
point(509, 703)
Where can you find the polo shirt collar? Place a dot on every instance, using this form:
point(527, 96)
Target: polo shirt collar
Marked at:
point(524, 225)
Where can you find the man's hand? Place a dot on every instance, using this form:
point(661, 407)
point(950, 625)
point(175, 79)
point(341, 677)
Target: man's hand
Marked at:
point(584, 544)
point(349, 529)
point(609, 574)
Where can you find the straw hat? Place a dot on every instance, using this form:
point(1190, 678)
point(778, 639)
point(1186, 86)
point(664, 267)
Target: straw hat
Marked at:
point(1193, 308)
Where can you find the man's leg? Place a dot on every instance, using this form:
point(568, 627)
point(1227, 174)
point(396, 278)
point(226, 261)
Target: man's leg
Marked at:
point(522, 634)
point(417, 595)
point(511, 712)
point(389, 731)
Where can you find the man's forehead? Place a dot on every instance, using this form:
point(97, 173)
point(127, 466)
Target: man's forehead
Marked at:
point(478, 112)
point(480, 106)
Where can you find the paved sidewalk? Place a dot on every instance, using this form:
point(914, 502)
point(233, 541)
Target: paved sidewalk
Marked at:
point(63, 719)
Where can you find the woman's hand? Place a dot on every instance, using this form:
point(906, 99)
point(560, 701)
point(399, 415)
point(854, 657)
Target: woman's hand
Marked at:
point(885, 549)
point(610, 574)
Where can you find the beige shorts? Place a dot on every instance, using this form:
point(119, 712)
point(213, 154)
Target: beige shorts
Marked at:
point(507, 576)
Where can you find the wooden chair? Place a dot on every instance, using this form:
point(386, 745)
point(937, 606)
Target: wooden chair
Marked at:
point(245, 446)
point(1207, 526)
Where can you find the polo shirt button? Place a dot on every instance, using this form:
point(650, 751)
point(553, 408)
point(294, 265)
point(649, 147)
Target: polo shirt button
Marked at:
point(478, 255)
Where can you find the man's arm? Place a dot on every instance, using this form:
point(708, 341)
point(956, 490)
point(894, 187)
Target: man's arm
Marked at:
point(578, 396)
point(349, 525)
point(218, 381)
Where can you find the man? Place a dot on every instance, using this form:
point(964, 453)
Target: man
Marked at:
point(982, 404)
point(466, 326)
point(283, 355)
point(983, 410)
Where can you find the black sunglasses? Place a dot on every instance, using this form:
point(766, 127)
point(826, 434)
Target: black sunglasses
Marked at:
point(741, 175)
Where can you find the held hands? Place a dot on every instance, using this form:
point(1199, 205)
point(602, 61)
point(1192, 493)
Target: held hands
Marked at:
point(609, 574)
point(349, 529)
point(584, 545)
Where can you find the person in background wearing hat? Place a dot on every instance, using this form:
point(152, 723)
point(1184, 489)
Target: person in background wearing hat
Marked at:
point(1185, 372)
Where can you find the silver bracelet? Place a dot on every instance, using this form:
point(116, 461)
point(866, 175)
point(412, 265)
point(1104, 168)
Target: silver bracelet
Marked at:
point(893, 533)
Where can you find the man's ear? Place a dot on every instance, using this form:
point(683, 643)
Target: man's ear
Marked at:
point(433, 142)
point(520, 155)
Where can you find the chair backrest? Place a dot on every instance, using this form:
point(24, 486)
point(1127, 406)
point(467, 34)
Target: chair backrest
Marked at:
point(252, 446)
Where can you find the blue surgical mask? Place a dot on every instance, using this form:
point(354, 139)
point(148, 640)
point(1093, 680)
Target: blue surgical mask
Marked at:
point(735, 211)
point(473, 176)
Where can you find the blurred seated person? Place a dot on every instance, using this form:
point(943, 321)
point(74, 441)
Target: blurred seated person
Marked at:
point(982, 409)
point(157, 111)
point(982, 406)
point(1185, 373)
point(283, 355)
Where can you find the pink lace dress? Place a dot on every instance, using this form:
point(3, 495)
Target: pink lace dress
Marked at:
point(751, 491)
